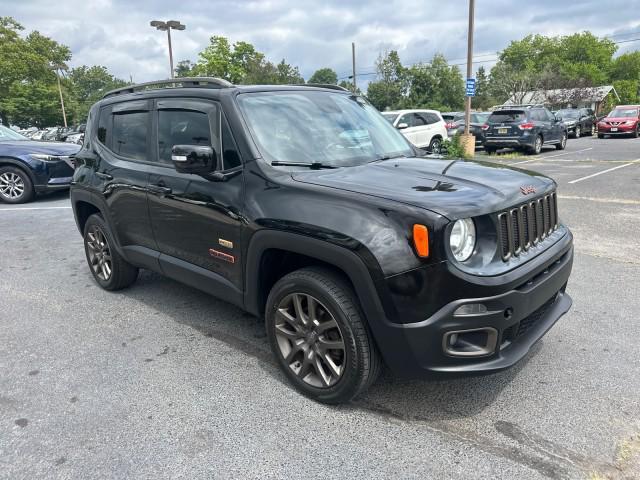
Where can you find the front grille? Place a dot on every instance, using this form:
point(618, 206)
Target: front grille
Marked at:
point(524, 226)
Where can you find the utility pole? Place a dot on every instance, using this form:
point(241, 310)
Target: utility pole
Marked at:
point(467, 108)
point(353, 61)
point(64, 115)
point(168, 26)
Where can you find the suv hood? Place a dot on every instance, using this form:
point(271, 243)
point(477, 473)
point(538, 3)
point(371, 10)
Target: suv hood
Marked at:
point(47, 148)
point(452, 188)
point(619, 119)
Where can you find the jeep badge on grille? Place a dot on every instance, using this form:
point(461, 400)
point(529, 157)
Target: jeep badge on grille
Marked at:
point(527, 189)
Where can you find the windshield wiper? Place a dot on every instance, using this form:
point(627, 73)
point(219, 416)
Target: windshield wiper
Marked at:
point(382, 158)
point(312, 165)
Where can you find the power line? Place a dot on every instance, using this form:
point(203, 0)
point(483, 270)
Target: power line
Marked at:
point(496, 55)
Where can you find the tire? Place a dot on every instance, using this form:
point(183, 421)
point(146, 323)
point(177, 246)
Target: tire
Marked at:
point(15, 186)
point(563, 142)
point(490, 150)
point(109, 269)
point(302, 348)
point(593, 129)
point(600, 135)
point(578, 131)
point(537, 146)
point(435, 146)
point(636, 132)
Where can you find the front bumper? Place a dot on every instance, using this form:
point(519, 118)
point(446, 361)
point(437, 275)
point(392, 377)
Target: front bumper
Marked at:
point(519, 316)
point(620, 130)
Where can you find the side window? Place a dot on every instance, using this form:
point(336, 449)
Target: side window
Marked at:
point(104, 125)
point(230, 154)
point(419, 120)
point(406, 118)
point(181, 127)
point(432, 118)
point(130, 132)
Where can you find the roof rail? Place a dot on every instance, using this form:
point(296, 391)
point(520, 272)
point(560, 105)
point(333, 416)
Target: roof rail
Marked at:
point(519, 105)
point(180, 82)
point(323, 85)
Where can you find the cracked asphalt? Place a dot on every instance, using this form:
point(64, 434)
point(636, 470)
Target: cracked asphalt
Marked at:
point(163, 381)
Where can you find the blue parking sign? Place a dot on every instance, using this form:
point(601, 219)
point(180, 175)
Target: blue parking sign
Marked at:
point(471, 87)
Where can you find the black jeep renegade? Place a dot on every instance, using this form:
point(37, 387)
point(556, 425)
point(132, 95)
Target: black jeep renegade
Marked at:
point(303, 205)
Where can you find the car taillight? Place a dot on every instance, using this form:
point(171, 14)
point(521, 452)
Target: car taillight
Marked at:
point(485, 127)
point(526, 126)
point(450, 125)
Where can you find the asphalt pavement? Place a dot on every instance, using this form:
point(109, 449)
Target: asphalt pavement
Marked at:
point(163, 381)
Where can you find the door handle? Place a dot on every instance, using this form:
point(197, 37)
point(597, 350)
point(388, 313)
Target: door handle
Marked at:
point(104, 176)
point(161, 189)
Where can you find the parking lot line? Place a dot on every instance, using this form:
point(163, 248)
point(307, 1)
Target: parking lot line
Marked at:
point(552, 156)
point(621, 201)
point(31, 208)
point(604, 171)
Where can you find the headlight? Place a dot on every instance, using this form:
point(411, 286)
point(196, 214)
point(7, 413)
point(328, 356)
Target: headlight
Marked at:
point(44, 158)
point(462, 239)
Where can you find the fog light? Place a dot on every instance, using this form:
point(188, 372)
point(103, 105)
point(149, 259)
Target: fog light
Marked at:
point(477, 342)
point(470, 309)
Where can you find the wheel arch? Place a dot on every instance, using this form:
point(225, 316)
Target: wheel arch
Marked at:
point(272, 254)
point(15, 162)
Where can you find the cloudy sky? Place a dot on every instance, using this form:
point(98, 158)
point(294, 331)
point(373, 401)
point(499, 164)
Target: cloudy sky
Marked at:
point(116, 33)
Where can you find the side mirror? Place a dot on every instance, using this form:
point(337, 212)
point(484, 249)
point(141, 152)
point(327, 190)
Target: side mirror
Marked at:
point(402, 126)
point(196, 159)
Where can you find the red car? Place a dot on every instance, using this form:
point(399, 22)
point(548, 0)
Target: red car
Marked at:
point(623, 120)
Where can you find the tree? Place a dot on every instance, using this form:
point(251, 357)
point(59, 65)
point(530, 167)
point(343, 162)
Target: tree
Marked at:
point(483, 99)
point(88, 85)
point(626, 66)
point(324, 75)
point(628, 91)
point(387, 92)
point(435, 85)
point(184, 68)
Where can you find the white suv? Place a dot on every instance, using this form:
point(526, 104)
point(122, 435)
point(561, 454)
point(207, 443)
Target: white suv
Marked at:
point(424, 128)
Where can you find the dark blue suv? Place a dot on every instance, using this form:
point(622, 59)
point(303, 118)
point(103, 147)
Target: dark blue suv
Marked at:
point(28, 167)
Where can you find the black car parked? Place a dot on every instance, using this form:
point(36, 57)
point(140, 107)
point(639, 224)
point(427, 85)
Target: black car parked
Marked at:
point(524, 127)
point(579, 121)
point(304, 206)
point(478, 120)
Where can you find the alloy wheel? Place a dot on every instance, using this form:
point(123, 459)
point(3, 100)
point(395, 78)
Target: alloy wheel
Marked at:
point(593, 130)
point(99, 253)
point(538, 145)
point(563, 140)
point(578, 132)
point(310, 341)
point(436, 146)
point(11, 185)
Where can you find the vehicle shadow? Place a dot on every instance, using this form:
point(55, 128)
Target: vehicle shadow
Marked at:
point(400, 399)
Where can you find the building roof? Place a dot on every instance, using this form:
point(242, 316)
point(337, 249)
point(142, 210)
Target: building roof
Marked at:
point(563, 95)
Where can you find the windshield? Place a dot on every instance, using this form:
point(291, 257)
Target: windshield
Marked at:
point(332, 129)
point(7, 134)
point(390, 117)
point(624, 113)
point(507, 116)
point(568, 113)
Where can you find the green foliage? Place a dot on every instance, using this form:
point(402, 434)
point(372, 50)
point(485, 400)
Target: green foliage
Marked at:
point(324, 75)
point(241, 63)
point(628, 91)
point(184, 68)
point(453, 148)
point(483, 99)
point(388, 91)
point(435, 85)
point(88, 85)
point(626, 66)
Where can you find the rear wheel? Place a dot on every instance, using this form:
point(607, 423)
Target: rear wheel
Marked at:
point(537, 146)
point(578, 131)
point(600, 135)
point(563, 142)
point(593, 129)
point(319, 336)
point(108, 267)
point(15, 185)
point(435, 146)
point(490, 150)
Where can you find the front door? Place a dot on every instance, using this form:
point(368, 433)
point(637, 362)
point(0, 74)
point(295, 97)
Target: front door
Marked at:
point(196, 219)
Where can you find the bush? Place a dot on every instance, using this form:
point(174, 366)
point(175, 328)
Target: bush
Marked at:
point(453, 148)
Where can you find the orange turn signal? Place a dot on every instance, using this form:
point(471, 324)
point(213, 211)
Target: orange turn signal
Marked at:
point(421, 240)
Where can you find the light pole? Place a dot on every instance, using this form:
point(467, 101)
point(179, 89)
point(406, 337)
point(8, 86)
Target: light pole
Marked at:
point(167, 26)
point(56, 69)
point(469, 139)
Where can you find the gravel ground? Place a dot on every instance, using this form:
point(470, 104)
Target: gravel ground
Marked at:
point(162, 380)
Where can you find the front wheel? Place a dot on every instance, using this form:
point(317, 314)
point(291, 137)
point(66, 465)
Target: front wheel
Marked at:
point(578, 131)
point(15, 186)
point(108, 267)
point(490, 150)
point(636, 132)
point(435, 146)
point(563, 142)
point(318, 335)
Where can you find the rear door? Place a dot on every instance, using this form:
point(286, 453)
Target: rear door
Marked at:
point(196, 220)
point(123, 152)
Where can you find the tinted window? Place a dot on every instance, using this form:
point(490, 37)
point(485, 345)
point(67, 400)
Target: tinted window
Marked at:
point(103, 125)
point(507, 116)
point(230, 155)
point(431, 118)
point(181, 127)
point(406, 118)
point(419, 120)
point(129, 136)
point(624, 112)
